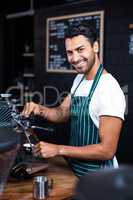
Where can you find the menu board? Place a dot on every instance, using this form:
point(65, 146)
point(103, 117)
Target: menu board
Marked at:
point(56, 59)
point(130, 42)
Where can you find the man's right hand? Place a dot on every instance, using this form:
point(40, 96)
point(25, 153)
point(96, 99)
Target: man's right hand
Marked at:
point(31, 107)
point(57, 114)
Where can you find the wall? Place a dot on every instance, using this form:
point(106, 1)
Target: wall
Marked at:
point(1, 51)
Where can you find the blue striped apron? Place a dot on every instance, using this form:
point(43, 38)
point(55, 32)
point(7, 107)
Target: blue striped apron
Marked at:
point(83, 130)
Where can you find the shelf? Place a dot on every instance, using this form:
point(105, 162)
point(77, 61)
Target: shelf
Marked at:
point(28, 54)
point(28, 75)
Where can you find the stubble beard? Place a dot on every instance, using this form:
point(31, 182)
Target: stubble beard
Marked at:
point(90, 66)
point(88, 69)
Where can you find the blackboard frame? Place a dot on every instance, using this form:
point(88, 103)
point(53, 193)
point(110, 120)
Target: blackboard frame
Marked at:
point(99, 14)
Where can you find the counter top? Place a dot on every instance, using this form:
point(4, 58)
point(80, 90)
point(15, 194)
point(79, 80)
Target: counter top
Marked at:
point(64, 182)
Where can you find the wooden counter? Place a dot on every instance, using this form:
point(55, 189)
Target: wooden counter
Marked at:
point(64, 182)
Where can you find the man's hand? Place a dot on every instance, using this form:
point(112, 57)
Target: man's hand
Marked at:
point(46, 150)
point(57, 114)
point(31, 108)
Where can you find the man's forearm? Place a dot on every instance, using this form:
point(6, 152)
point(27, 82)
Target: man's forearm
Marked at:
point(88, 152)
point(54, 114)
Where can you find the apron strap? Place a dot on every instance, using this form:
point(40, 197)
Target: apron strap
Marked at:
point(95, 82)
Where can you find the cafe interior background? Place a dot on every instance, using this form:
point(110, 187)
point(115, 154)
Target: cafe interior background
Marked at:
point(24, 57)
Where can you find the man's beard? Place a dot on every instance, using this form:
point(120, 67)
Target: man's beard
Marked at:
point(90, 66)
point(81, 69)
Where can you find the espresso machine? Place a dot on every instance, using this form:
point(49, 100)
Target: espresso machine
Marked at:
point(24, 163)
point(9, 145)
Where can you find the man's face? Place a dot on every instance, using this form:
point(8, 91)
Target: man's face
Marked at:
point(80, 53)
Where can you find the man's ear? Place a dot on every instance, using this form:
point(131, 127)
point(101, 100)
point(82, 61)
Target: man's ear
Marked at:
point(96, 47)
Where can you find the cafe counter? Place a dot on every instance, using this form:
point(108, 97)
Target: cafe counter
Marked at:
point(64, 182)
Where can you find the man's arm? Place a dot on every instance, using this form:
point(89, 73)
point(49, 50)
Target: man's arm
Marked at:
point(109, 131)
point(57, 114)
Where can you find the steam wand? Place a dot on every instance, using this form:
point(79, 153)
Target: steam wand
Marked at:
point(25, 128)
point(22, 122)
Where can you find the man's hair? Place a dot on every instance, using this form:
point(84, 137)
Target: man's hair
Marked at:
point(86, 30)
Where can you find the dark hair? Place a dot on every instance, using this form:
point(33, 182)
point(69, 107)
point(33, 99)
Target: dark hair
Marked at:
point(80, 28)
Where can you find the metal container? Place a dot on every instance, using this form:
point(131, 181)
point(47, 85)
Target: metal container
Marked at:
point(40, 187)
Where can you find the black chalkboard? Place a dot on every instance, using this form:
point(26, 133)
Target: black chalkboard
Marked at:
point(56, 60)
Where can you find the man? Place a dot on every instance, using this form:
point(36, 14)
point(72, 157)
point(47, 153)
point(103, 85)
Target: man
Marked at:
point(96, 106)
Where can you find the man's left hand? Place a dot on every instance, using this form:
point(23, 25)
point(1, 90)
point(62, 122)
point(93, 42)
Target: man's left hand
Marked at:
point(46, 150)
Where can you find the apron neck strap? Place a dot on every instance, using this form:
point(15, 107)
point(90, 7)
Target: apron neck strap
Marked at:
point(96, 80)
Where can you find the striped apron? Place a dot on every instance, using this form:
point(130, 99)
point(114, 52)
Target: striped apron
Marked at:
point(83, 130)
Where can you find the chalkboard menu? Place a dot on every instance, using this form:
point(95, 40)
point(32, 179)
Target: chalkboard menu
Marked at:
point(56, 60)
point(130, 43)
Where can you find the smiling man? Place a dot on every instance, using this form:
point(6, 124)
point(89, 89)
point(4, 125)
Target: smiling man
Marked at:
point(96, 106)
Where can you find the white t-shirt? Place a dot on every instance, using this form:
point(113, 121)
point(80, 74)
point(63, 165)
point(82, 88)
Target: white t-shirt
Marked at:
point(108, 98)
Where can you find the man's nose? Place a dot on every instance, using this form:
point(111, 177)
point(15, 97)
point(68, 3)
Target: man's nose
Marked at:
point(75, 57)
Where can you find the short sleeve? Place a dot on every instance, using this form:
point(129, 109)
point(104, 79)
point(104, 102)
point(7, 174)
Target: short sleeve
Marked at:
point(111, 99)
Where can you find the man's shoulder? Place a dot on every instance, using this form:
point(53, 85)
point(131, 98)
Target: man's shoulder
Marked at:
point(108, 81)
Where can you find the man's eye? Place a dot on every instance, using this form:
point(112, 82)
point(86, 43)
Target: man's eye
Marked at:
point(80, 50)
point(69, 53)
